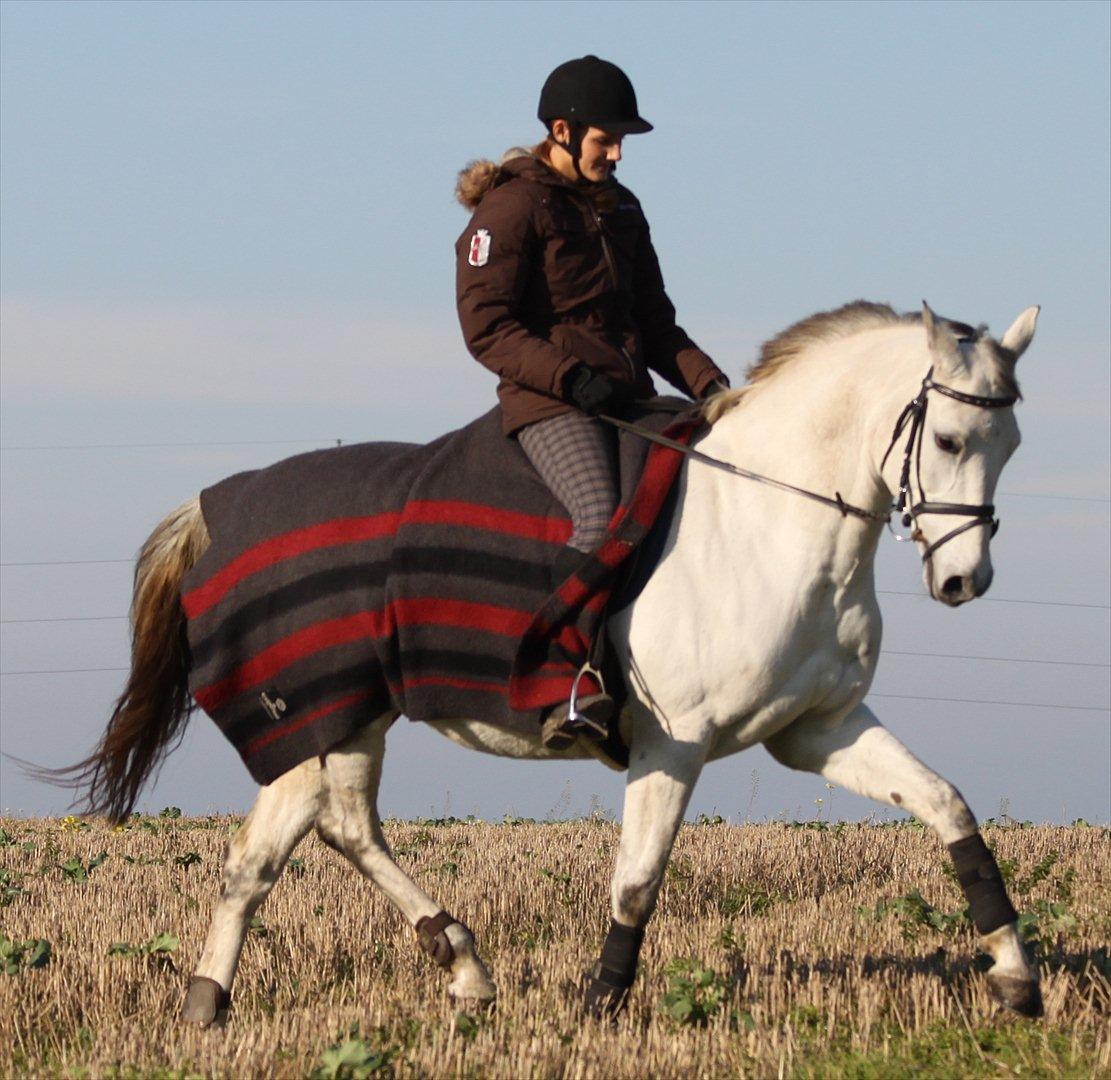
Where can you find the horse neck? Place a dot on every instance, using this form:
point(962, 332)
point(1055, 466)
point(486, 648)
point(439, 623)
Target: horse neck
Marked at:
point(821, 422)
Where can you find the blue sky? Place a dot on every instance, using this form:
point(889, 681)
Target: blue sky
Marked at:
point(233, 223)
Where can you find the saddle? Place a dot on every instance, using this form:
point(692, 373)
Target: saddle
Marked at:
point(345, 583)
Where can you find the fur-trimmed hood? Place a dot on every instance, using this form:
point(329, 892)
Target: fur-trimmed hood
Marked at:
point(479, 176)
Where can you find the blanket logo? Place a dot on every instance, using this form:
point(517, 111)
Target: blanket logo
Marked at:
point(273, 703)
point(479, 254)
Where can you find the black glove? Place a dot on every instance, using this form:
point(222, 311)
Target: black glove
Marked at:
point(592, 391)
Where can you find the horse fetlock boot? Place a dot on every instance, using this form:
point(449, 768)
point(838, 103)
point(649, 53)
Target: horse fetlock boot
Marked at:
point(433, 940)
point(206, 1002)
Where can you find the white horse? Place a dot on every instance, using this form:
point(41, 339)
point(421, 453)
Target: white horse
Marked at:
point(759, 625)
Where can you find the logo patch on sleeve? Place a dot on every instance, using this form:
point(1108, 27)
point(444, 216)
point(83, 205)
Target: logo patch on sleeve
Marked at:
point(479, 254)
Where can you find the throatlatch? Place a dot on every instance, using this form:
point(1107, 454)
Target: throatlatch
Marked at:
point(979, 875)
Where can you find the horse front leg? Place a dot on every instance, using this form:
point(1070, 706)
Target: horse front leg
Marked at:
point(662, 774)
point(282, 814)
point(861, 755)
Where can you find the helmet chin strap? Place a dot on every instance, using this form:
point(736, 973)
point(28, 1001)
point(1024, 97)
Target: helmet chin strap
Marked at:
point(574, 147)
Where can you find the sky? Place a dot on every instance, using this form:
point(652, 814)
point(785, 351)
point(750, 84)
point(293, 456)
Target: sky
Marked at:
point(227, 236)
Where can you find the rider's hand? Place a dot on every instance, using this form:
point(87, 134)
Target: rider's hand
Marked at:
point(592, 391)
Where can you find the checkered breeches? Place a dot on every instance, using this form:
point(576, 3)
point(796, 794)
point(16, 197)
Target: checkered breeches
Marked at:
point(576, 456)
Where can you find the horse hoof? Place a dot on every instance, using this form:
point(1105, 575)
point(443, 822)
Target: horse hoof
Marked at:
point(474, 1004)
point(1023, 996)
point(206, 1002)
point(603, 1000)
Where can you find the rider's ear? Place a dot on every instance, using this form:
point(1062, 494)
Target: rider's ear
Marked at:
point(1020, 333)
point(943, 344)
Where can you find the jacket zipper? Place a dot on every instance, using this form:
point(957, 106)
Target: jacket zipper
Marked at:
point(608, 255)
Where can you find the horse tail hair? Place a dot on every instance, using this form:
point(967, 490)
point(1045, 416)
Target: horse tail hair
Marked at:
point(150, 716)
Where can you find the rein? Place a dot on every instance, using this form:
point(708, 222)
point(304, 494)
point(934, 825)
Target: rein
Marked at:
point(913, 417)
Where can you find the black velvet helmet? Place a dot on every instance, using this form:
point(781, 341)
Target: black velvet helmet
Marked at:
point(594, 92)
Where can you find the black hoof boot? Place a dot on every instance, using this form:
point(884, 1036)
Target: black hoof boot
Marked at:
point(603, 998)
point(1023, 996)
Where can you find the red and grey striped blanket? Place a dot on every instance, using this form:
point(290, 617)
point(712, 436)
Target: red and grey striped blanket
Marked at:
point(347, 582)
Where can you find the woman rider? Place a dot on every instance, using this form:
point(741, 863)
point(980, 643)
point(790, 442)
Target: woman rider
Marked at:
point(559, 292)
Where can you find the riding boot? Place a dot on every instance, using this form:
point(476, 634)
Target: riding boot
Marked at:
point(593, 711)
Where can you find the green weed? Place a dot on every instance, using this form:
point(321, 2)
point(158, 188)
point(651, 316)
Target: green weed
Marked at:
point(19, 956)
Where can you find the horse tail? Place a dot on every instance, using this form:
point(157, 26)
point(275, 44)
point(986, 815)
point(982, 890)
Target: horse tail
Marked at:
point(150, 715)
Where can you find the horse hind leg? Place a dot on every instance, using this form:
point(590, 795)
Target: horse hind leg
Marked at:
point(862, 756)
point(348, 821)
point(283, 812)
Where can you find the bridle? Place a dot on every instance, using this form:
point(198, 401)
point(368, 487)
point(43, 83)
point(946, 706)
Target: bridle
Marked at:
point(911, 420)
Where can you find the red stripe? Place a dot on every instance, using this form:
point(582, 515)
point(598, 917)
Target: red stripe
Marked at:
point(510, 622)
point(456, 684)
point(551, 530)
point(311, 639)
point(659, 473)
point(255, 745)
point(367, 624)
point(534, 691)
point(278, 548)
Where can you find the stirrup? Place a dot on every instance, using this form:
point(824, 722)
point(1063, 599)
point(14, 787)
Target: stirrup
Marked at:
point(574, 717)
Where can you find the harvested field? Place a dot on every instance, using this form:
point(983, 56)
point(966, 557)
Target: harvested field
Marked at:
point(777, 950)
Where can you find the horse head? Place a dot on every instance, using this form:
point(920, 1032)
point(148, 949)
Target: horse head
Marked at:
point(963, 431)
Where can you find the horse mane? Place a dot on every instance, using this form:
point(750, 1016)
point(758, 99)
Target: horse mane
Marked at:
point(845, 321)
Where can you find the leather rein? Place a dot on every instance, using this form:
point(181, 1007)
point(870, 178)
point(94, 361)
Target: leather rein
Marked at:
point(912, 420)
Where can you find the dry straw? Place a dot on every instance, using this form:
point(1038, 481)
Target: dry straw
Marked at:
point(792, 950)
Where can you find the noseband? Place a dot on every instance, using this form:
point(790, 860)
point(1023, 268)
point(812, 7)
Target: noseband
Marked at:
point(913, 420)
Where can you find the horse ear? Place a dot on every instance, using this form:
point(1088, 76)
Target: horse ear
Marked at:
point(942, 342)
point(1020, 333)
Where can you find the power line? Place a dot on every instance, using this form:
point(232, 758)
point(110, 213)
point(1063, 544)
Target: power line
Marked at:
point(999, 659)
point(885, 592)
point(339, 442)
point(176, 445)
point(63, 670)
point(886, 652)
point(1002, 600)
point(991, 701)
point(68, 562)
point(902, 697)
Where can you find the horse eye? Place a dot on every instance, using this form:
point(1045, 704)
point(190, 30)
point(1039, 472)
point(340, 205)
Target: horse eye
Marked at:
point(946, 444)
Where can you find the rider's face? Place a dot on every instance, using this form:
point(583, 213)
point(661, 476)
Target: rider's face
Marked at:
point(601, 151)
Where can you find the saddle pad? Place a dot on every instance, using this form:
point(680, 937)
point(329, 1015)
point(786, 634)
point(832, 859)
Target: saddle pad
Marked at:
point(348, 582)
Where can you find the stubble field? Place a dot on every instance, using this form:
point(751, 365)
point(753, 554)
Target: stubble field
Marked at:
point(777, 950)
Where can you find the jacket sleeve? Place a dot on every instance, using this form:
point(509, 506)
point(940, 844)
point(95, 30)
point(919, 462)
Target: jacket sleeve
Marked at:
point(493, 260)
point(667, 348)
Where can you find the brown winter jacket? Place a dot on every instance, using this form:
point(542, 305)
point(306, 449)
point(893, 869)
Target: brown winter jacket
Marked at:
point(549, 276)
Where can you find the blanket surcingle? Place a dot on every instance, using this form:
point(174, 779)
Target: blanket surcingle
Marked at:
point(348, 582)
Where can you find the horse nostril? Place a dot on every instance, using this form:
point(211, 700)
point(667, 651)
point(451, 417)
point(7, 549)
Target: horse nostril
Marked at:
point(953, 585)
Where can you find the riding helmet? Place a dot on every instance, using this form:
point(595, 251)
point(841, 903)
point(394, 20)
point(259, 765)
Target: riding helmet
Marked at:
point(595, 92)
